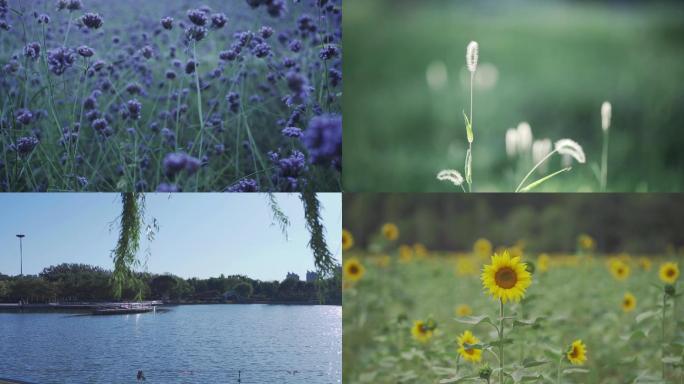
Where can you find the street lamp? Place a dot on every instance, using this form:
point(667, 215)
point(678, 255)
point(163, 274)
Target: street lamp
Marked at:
point(21, 254)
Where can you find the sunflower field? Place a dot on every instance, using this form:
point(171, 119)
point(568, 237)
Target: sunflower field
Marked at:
point(501, 314)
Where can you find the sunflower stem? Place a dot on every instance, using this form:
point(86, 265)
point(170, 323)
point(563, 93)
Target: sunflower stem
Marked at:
point(662, 345)
point(501, 336)
point(560, 363)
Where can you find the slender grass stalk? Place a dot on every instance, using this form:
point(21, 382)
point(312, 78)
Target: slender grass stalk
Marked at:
point(471, 62)
point(662, 344)
point(537, 183)
point(606, 111)
point(534, 169)
point(199, 107)
point(560, 363)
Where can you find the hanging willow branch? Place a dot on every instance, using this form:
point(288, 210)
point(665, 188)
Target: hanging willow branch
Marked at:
point(125, 255)
point(323, 258)
point(279, 216)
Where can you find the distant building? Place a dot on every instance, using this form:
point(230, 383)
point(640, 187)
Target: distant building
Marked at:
point(311, 276)
point(292, 276)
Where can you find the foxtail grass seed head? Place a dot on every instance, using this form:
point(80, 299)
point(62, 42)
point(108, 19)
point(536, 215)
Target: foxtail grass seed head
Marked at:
point(571, 148)
point(451, 175)
point(511, 142)
point(472, 56)
point(524, 137)
point(540, 148)
point(606, 112)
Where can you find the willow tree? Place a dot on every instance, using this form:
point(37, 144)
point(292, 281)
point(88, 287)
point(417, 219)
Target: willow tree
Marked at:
point(132, 222)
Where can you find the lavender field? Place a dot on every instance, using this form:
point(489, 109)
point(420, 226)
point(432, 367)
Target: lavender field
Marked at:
point(175, 95)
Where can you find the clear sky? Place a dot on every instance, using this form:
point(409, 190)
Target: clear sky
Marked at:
point(200, 235)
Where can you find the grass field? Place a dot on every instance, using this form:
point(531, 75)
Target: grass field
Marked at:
point(571, 296)
point(100, 95)
point(549, 63)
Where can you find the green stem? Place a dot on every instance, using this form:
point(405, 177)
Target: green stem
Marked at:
point(199, 107)
point(470, 144)
point(560, 363)
point(501, 343)
point(662, 345)
point(534, 169)
point(604, 162)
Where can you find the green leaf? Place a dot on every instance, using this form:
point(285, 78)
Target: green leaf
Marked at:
point(645, 315)
point(671, 359)
point(497, 342)
point(475, 320)
point(459, 379)
point(469, 167)
point(531, 321)
point(575, 370)
point(537, 183)
point(469, 128)
point(532, 362)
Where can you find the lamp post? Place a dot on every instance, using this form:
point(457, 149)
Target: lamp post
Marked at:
point(21, 254)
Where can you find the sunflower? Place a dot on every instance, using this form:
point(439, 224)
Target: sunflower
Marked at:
point(405, 254)
point(577, 354)
point(645, 263)
point(464, 310)
point(421, 331)
point(506, 278)
point(353, 269)
point(482, 247)
point(347, 240)
point(619, 269)
point(586, 242)
point(473, 355)
point(382, 261)
point(420, 250)
point(669, 272)
point(628, 302)
point(465, 266)
point(390, 231)
point(543, 262)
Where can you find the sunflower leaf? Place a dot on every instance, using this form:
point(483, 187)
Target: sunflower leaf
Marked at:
point(475, 320)
point(459, 379)
point(575, 370)
point(671, 359)
point(531, 321)
point(497, 342)
point(530, 362)
point(645, 315)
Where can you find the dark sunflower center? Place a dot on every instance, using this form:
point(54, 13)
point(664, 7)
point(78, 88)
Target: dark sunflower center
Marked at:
point(620, 271)
point(506, 278)
point(423, 328)
point(574, 353)
point(628, 302)
point(469, 351)
point(353, 269)
point(670, 272)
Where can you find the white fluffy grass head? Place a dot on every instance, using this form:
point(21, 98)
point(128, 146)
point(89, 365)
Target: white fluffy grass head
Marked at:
point(571, 148)
point(606, 112)
point(451, 175)
point(524, 137)
point(540, 148)
point(511, 142)
point(472, 55)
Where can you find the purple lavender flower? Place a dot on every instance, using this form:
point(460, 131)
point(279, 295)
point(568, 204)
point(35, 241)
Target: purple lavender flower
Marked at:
point(323, 139)
point(32, 51)
point(165, 187)
point(170, 75)
point(197, 17)
point(60, 59)
point(196, 33)
point(244, 185)
point(266, 32)
point(134, 107)
point(167, 22)
point(43, 19)
point(174, 163)
point(190, 67)
point(134, 88)
point(229, 55)
point(24, 116)
point(292, 132)
point(147, 52)
point(25, 145)
point(218, 20)
point(233, 101)
point(92, 20)
point(295, 46)
point(261, 50)
point(328, 52)
point(299, 86)
point(85, 51)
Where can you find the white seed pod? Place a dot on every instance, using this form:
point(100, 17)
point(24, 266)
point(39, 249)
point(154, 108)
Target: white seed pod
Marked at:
point(472, 55)
point(524, 137)
point(540, 148)
point(511, 142)
point(571, 148)
point(450, 175)
point(606, 112)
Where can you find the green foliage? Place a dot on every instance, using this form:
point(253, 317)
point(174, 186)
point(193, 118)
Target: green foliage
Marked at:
point(323, 258)
point(244, 290)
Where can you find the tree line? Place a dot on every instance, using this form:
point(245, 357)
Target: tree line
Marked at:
point(87, 283)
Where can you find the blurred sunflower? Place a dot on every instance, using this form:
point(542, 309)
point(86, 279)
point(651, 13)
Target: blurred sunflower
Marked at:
point(390, 231)
point(482, 247)
point(347, 240)
point(382, 261)
point(506, 277)
point(465, 266)
point(421, 331)
point(645, 263)
point(619, 269)
point(586, 242)
point(405, 254)
point(473, 355)
point(628, 302)
point(669, 272)
point(420, 250)
point(353, 269)
point(464, 310)
point(543, 262)
point(577, 354)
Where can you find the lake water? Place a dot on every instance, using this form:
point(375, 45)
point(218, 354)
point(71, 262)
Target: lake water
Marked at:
point(188, 344)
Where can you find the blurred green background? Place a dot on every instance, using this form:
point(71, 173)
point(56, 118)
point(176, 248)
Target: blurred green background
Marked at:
point(550, 63)
point(634, 223)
